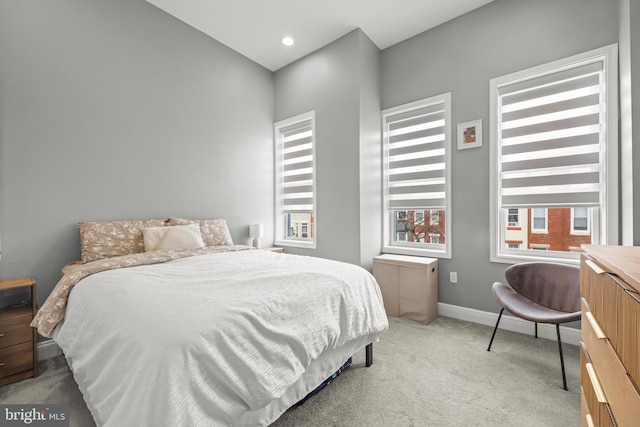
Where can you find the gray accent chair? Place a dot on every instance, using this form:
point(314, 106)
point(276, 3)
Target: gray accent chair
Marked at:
point(540, 292)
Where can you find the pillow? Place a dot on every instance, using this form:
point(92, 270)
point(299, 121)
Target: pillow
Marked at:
point(181, 237)
point(108, 239)
point(214, 231)
point(151, 237)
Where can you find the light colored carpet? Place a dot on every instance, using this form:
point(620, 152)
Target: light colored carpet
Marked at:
point(434, 375)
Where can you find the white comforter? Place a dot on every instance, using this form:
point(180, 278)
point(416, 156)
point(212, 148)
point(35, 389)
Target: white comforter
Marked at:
point(201, 341)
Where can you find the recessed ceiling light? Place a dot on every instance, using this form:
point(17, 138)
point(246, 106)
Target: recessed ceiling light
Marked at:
point(287, 41)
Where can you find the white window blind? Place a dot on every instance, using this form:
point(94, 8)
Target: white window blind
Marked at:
point(416, 159)
point(295, 180)
point(551, 139)
point(297, 167)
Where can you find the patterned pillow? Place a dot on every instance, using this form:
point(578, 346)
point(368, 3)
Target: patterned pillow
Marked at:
point(214, 231)
point(108, 239)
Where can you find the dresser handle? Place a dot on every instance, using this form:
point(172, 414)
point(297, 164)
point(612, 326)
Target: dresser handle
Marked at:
point(1, 335)
point(589, 420)
point(597, 388)
point(1, 364)
point(595, 325)
point(595, 267)
point(632, 294)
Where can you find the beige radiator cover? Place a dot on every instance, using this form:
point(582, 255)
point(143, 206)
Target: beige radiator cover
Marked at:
point(409, 286)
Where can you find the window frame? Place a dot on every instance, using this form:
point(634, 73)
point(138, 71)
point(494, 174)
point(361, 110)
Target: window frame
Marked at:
point(412, 248)
point(281, 237)
point(606, 230)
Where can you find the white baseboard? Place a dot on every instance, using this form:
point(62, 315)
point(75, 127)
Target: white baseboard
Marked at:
point(510, 323)
point(48, 349)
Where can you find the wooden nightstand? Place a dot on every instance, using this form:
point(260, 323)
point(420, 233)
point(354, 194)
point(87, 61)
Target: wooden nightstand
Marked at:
point(18, 350)
point(274, 249)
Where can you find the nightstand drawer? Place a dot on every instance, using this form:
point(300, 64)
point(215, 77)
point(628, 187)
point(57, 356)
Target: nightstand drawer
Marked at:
point(16, 359)
point(18, 350)
point(15, 330)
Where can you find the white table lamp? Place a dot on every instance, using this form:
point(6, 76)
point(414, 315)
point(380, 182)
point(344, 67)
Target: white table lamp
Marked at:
point(256, 232)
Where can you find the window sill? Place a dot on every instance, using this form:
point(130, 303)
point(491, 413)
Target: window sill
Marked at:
point(580, 233)
point(295, 244)
point(430, 253)
point(572, 258)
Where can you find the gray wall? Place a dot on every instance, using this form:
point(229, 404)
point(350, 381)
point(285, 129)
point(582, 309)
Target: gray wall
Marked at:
point(629, 54)
point(340, 82)
point(116, 110)
point(461, 56)
point(370, 153)
point(113, 109)
point(629, 61)
point(634, 18)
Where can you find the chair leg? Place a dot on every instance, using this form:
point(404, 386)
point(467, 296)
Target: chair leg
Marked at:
point(495, 329)
point(536, 323)
point(564, 378)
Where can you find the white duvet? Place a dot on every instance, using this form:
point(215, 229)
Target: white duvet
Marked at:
point(207, 340)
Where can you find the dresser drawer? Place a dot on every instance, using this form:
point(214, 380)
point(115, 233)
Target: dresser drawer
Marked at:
point(599, 290)
point(616, 306)
point(597, 410)
point(585, 416)
point(621, 395)
point(15, 330)
point(628, 332)
point(16, 359)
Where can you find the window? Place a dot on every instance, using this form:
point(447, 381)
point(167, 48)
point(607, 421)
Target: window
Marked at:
point(513, 219)
point(417, 177)
point(579, 220)
point(539, 220)
point(554, 153)
point(434, 218)
point(295, 205)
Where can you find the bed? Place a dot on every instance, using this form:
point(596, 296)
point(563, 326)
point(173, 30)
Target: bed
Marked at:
point(214, 334)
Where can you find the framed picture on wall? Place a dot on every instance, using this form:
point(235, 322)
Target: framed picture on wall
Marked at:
point(470, 134)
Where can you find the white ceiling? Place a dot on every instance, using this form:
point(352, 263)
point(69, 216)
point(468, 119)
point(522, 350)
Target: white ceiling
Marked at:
point(255, 28)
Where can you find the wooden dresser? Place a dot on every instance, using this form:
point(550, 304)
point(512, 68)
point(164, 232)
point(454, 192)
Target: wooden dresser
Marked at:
point(610, 356)
point(18, 350)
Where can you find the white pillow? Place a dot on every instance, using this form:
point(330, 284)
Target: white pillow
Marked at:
point(151, 237)
point(182, 237)
point(174, 237)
